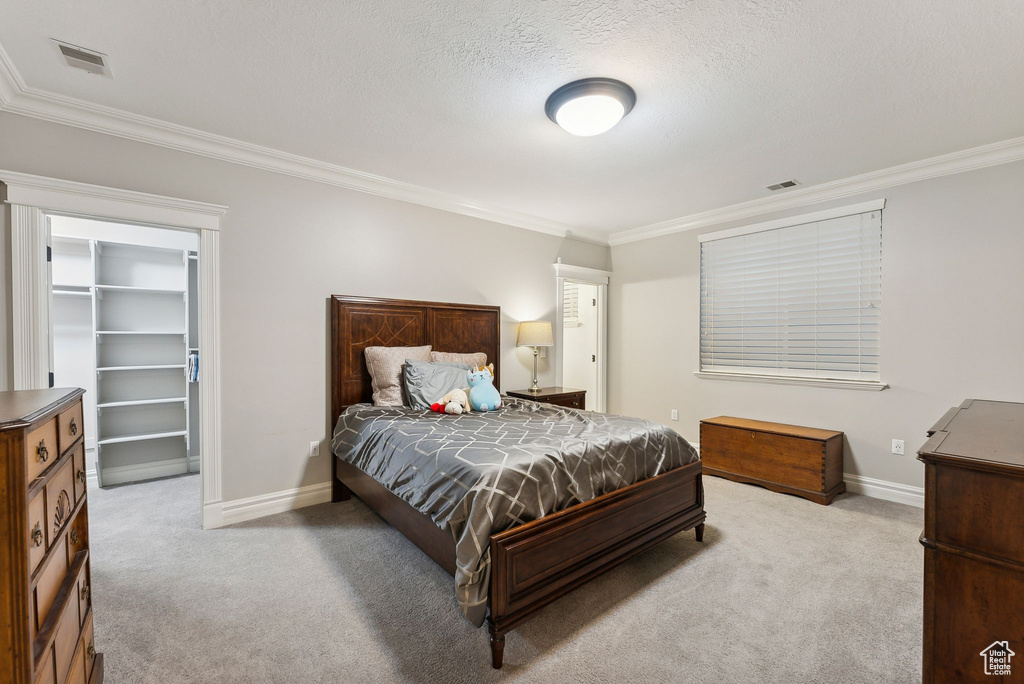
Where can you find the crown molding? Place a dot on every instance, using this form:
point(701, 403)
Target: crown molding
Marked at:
point(18, 98)
point(944, 165)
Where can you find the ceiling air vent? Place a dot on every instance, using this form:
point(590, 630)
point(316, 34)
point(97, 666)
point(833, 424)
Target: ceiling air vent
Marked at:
point(791, 183)
point(88, 60)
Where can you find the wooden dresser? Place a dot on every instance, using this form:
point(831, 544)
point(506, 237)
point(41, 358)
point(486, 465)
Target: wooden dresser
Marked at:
point(791, 459)
point(974, 543)
point(46, 627)
point(558, 396)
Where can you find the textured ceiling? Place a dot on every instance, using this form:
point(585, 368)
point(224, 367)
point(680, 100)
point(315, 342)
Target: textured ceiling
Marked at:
point(450, 95)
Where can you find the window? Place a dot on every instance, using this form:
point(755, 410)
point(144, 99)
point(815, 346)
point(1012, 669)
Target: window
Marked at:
point(799, 298)
point(570, 304)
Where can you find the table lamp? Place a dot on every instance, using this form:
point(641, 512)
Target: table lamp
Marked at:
point(535, 334)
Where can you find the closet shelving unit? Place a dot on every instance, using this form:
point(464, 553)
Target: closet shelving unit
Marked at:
point(140, 317)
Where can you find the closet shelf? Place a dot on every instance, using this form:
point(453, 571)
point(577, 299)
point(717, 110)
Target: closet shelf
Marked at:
point(151, 367)
point(141, 402)
point(135, 288)
point(140, 332)
point(71, 293)
point(72, 287)
point(142, 437)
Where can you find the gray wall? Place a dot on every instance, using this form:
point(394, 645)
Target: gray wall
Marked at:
point(952, 324)
point(287, 244)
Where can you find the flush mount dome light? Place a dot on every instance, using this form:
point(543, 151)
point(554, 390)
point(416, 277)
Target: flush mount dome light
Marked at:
point(590, 106)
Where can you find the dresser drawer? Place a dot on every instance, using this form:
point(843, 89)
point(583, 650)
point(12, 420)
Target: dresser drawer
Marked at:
point(60, 493)
point(41, 448)
point(977, 510)
point(88, 646)
point(37, 530)
point(47, 673)
point(576, 401)
point(79, 461)
point(69, 425)
point(77, 675)
point(84, 593)
point(69, 629)
point(49, 583)
point(78, 534)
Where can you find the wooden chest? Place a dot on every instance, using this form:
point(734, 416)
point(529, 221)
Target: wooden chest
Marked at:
point(46, 634)
point(974, 543)
point(783, 458)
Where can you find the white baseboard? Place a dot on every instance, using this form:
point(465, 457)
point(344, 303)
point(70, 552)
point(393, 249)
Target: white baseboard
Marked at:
point(238, 510)
point(883, 489)
point(143, 471)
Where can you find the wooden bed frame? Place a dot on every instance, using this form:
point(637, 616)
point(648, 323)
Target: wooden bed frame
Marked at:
point(532, 564)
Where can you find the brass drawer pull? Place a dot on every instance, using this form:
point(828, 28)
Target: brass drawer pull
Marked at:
point(73, 427)
point(42, 451)
point(81, 476)
point(74, 536)
point(91, 651)
point(85, 593)
point(37, 535)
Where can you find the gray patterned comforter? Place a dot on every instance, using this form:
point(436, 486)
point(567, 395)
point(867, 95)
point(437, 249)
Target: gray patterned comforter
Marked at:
point(476, 474)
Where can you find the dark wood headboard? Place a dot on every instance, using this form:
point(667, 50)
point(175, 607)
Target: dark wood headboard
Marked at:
point(360, 322)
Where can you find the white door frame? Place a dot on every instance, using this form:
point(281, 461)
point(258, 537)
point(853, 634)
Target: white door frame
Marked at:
point(592, 276)
point(28, 197)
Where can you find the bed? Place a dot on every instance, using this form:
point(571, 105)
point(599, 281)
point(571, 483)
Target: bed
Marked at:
point(531, 561)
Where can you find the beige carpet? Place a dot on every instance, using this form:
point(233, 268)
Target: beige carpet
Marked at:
point(782, 590)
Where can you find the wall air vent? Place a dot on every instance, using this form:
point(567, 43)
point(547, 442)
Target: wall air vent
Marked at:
point(791, 183)
point(87, 60)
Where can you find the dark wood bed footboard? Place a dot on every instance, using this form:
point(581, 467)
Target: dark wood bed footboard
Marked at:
point(538, 562)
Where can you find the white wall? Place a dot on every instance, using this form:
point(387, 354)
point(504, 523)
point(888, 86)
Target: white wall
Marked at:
point(952, 324)
point(287, 244)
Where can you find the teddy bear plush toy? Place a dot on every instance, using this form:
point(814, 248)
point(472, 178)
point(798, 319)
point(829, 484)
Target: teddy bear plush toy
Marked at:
point(482, 395)
point(455, 402)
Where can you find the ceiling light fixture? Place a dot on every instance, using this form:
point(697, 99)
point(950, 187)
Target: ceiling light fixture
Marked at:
point(590, 106)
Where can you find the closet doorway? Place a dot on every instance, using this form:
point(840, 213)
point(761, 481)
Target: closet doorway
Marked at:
point(581, 332)
point(579, 338)
point(125, 326)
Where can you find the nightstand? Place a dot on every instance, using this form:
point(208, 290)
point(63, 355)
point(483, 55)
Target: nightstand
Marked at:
point(558, 396)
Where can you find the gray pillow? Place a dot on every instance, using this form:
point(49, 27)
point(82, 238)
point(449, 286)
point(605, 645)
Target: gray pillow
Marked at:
point(426, 381)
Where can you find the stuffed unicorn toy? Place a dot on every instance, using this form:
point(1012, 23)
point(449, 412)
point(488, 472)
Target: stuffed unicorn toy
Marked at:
point(482, 395)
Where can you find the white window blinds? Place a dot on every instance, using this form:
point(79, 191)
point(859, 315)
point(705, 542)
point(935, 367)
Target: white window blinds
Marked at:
point(802, 300)
point(570, 304)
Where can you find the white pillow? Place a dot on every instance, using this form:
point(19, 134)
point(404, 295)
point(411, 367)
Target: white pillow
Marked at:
point(385, 366)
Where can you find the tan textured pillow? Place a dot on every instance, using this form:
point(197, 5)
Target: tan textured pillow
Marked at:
point(474, 360)
point(385, 366)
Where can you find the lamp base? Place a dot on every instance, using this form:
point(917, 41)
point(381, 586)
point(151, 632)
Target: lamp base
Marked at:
point(534, 390)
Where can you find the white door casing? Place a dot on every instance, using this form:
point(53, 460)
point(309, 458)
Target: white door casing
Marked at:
point(599, 278)
point(29, 197)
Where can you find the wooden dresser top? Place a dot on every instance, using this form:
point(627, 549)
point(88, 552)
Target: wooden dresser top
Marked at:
point(980, 431)
point(19, 409)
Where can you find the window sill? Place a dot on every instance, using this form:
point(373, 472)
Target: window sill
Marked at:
point(863, 385)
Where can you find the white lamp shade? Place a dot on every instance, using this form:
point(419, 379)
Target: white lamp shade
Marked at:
point(535, 334)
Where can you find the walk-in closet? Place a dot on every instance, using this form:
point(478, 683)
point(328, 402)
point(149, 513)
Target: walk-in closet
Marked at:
point(125, 316)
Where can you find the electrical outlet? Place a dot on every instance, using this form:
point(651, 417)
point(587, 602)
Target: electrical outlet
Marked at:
point(675, 414)
point(897, 446)
point(314, 449)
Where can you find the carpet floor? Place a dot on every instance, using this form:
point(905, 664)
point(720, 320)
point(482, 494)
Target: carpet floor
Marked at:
point(781, 590)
